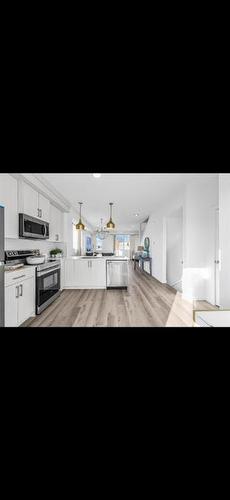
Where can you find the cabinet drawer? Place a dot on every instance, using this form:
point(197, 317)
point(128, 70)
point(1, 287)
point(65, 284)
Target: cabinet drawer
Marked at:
point(14, 277)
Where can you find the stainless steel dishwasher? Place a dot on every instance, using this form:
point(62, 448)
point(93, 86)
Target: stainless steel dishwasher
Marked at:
point(117, 273)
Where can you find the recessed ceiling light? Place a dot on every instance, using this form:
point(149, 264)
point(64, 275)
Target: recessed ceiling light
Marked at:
point(136, 215)
point(97, 176)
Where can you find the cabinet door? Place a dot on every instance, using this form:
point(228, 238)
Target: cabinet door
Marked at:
point(11, 305)
point(62, 285)
point(70, 273)
point(77, 273)
point(26, 301)
point(30, 201)
point(44, 206)
point(98, 274)
point(83, 275)
point(8, 198)
point(56, 224)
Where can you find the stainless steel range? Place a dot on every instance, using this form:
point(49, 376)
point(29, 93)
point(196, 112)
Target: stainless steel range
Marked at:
point(47, 276)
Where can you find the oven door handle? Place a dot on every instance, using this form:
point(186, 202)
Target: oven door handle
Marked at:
point(43, 273)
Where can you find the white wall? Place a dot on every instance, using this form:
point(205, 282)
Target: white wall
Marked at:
point(199, 268)
point(28, 244)
point(224, 224)
point(174, 244)
point(198, 200)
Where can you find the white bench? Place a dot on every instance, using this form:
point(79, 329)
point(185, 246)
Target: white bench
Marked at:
point(212, 318)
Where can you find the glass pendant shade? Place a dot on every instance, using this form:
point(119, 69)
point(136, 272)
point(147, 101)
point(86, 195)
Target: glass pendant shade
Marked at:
point(110, 224)
point(80, 224)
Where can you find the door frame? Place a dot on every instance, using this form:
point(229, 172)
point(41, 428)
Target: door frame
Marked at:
point(217, 257)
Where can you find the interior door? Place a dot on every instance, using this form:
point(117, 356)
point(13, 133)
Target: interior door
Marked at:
point(217, 259)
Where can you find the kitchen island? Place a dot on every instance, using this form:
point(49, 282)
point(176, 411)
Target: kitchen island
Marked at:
point(82, 272)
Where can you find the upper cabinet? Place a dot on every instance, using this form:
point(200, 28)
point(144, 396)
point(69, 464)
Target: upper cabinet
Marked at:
point(33, 203)
point(56, 224)
point(8, 198)
point(44, 207)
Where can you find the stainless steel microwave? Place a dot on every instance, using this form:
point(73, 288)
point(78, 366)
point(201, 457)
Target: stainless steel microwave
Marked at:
point(31, 227)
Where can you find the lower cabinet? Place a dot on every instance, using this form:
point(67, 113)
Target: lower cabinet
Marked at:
point(84, 273)
point(19, 302)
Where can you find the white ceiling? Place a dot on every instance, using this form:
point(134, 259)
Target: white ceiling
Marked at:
point(130, 193)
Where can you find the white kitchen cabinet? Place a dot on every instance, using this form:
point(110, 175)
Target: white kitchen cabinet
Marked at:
point(19, 300)
point(8, 198)
point(56, 224)
point(29, 201)
point(11, 306)
point(33, 203)
point(97, 273)
point(26, 300)
point(85, 273)
point(44, 207)
point(71, 273)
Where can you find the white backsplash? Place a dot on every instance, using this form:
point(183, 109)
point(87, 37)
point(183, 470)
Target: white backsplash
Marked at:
point(27, 244)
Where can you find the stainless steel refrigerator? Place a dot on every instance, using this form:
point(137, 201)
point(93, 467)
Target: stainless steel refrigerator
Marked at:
point(2, 257)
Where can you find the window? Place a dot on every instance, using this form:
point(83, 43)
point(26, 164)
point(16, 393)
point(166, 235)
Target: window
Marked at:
point(75, 239)
point(122, 245)
point(98, 244)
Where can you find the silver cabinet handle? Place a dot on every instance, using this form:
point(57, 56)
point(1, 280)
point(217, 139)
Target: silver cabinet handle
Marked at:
point(21, 290)
point(19, 277)
point(38, 212)
point(17, 292)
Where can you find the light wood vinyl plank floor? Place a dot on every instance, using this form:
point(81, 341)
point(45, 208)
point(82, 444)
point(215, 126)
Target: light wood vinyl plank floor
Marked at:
point(146, 303)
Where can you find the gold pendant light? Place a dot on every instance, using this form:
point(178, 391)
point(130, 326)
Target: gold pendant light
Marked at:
point(80, 224)
point(110, 224)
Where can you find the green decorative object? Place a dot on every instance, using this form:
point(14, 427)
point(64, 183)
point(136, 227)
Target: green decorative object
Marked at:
point(56, 252)
point(147, 245)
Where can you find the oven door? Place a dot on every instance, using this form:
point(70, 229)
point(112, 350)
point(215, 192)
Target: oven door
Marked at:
point(47, 287)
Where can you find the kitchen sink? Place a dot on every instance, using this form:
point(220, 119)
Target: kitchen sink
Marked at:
point(86, 257)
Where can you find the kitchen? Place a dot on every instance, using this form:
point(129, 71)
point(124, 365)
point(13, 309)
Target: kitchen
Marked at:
point(91, 249)
point(32, 223)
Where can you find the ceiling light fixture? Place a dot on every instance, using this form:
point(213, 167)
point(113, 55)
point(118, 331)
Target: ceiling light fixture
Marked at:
point(97, 176)
point(111, 224)
point(80, 224)
point(101, 232)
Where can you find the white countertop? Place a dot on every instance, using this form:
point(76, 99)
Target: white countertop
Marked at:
point(112, 257)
